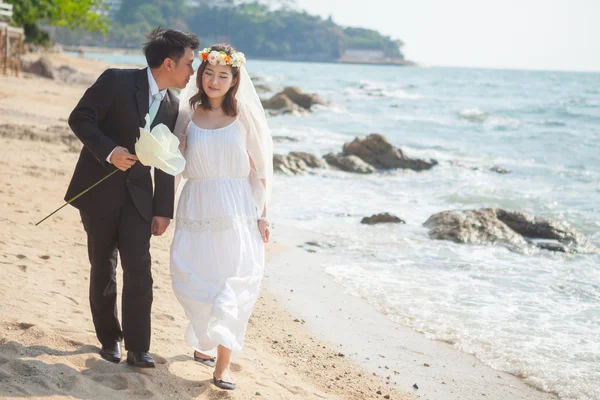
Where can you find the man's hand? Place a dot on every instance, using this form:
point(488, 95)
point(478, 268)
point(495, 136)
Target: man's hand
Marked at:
point(122, 159)
point(160, 225)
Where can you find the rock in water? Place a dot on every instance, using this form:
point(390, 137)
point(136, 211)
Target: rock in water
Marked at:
point(304, 100)
point(382, 219)
point(534, 227)
point(297, 162)
point(281, 104)
point(495, 225)
point(289, 166)
point(311, 160)
point(349, 164)
point(378, 152)
point(472, 226)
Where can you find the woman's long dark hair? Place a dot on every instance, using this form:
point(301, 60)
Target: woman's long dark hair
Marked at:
point(201, 99)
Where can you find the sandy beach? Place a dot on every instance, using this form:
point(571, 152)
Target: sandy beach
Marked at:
point(48, 348)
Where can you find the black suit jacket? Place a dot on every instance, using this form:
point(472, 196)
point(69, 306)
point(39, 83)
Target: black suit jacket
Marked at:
point(110, 114)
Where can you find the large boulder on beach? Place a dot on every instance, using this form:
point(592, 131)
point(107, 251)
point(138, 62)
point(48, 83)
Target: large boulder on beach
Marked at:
point(382, 218)
point(512, 228)
point(71, 76)
point(349, 164)
point(375, 150)
point(42, 67)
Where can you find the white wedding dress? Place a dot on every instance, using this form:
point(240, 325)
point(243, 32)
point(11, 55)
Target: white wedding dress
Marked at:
point(217, 254)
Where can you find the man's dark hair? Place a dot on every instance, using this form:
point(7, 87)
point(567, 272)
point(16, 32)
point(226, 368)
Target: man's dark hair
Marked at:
point(168, 43)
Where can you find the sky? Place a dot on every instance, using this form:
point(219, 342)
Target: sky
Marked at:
point(525, 34)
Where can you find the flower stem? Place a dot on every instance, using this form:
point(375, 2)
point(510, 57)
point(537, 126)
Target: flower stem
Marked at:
point(78, 196)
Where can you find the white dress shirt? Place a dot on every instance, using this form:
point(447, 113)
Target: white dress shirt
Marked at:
point(153, 90)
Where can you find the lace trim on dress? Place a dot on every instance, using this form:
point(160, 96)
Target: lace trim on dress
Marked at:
point(217, 224)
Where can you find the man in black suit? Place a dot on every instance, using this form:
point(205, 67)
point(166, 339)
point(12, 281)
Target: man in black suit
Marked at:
point(123, 212)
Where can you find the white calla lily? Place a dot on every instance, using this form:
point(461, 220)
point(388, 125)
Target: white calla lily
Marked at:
point(159, 148)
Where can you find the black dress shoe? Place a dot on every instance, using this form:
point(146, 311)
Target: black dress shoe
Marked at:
point(140, 359)
point(112, 352)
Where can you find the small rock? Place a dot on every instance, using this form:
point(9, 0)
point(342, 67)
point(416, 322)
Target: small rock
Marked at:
point(382, 218)
point(416, 386)
point(283, 139)
point(499, 170)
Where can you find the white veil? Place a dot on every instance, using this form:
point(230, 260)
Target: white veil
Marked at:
point(259, 143)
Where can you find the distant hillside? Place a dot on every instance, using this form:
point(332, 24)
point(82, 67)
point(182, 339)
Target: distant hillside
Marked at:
point(253, 28)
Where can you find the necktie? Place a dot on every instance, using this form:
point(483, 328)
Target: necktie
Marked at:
point(154, 107)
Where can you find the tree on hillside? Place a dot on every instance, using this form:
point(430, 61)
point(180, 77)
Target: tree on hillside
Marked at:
point(368, 39)
point(72, 14)
point(261, 32)
point(136, 18)
point(160, 11)
point(262, 29)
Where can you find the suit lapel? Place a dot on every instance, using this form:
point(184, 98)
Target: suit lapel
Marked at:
point(142, 87)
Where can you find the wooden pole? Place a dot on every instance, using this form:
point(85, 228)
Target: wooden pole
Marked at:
point(2, 59)
point(19, 54)
point(6, 51)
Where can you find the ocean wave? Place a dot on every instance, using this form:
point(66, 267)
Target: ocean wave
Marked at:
point(474, 115)
point(550, 122)
point(416, 118)
point(581, 102)
point(372, 89)
point(477, 115)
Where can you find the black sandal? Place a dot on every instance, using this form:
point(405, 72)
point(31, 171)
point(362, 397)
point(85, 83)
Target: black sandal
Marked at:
point(209, 362)
point(222, 384)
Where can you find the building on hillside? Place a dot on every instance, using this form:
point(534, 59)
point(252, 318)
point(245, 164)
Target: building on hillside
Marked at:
point(113, 7)
point(363, 54)
point(210, 3)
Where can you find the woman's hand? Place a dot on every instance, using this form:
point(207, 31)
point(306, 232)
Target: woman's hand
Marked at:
point(265, 233)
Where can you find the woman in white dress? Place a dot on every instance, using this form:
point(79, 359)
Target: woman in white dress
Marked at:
point(217, 254)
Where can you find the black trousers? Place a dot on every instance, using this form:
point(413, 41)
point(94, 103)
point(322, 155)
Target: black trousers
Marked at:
point(126, 231)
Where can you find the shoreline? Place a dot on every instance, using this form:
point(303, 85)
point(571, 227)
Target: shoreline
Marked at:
point(394, 352)
point(126, 51)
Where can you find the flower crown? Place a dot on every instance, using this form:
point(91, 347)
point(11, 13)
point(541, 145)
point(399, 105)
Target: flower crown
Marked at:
point(215, 57)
